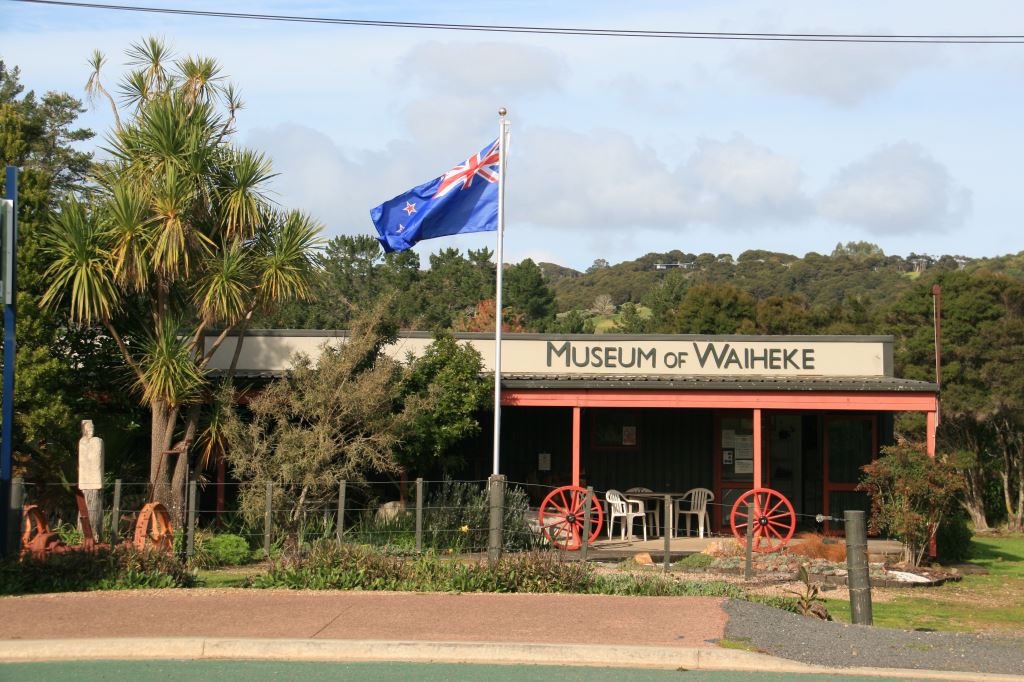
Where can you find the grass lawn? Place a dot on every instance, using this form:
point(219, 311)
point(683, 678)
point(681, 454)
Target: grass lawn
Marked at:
point(234, 576)
point(978, 603)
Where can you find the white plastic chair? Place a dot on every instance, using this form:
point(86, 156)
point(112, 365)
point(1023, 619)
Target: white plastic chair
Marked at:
point(652, 508)
point(695, 503)
point(626, 510)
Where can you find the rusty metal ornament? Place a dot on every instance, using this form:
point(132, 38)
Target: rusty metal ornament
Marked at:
point(37, 539)
point(153, 528)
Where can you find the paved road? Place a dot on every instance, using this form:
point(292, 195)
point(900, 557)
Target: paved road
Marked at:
point(256, 671)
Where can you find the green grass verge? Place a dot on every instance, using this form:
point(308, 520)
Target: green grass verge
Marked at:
point(989, 603)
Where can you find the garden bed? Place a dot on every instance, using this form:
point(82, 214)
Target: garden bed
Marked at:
point(821, 571)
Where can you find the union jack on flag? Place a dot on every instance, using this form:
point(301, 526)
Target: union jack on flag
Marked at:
point(465, 199)
point(484, 164)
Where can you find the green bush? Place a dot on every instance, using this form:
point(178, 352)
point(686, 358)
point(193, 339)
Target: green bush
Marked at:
point(121, 568)
point(776, 602)
point(954, 538)
point(359, 567)
point(222, 549)
point(660, 585)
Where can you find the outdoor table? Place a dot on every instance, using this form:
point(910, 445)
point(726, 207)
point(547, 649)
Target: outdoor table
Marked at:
point(660, 499)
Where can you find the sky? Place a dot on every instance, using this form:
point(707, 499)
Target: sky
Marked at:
point(619, 146)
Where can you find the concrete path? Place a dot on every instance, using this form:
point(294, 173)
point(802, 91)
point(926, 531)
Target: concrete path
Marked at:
point(407, 616)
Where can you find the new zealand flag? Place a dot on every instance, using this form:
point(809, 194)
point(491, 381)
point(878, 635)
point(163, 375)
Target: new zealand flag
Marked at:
point(465, 199)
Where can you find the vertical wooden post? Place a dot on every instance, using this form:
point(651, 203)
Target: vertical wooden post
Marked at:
point(419, 515)
point(222, 476)
point(340, 525)
point(757, 447)
point(191, 532)
point(14, 520)
point(588, 503)
point(494, 536)
point(669, 509)
point(857, 567)
point(576, 446)
point(931, 424)
point(268, 519)
point(748, 570)
point(115, 514)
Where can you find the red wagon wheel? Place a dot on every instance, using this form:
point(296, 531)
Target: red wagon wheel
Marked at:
point(774, 519)
point(563, 514)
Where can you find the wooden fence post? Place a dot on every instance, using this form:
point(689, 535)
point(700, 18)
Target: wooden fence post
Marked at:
point(340, 525)
point(268, 519)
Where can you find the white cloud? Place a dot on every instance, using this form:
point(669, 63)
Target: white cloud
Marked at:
point(611, 182)
point(490, 68)
point(741, 182)
point(844, 74)
point(897, 189)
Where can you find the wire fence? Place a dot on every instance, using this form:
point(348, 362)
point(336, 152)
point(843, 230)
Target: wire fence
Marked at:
point(441, 516)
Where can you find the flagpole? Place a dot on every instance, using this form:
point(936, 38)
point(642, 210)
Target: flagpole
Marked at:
point(499, 257)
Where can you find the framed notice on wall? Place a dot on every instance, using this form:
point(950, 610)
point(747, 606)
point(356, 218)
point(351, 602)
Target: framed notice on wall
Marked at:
point(543, 461)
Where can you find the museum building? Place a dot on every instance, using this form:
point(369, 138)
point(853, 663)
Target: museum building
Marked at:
point(798, 414)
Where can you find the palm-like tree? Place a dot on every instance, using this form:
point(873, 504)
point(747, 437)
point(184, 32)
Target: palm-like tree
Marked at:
point(179, 226)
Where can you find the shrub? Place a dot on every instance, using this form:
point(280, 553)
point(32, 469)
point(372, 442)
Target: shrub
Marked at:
point(222, 549)
point(774, 601)
point(358, 567)
point(911, 493)
point(121, 568)
point(954, 538)
point(660, 585)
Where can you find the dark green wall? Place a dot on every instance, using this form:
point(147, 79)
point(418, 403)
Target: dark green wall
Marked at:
point(674, 452)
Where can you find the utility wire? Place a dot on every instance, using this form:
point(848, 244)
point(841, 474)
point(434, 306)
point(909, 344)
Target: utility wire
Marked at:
point(981, 39)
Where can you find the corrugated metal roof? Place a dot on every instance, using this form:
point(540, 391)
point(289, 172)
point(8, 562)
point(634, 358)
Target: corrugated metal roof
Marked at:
point(692, 383)
point(735, 383)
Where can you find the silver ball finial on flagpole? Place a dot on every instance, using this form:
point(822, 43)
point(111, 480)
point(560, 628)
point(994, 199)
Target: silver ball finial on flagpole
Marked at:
point(502, 111)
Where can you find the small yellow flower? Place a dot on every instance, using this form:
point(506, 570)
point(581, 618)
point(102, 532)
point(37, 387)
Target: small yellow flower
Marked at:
point(464, 529)
point(450, 550)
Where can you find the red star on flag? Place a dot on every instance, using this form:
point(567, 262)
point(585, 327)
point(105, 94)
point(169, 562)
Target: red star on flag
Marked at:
point(410, 208)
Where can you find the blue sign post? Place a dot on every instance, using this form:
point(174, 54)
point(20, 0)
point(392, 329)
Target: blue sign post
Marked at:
point(8, 265)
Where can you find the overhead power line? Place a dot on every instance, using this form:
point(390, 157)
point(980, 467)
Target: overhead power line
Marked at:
point(981, 39)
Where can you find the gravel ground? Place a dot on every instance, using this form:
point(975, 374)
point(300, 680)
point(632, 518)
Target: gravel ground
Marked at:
point(835, 644)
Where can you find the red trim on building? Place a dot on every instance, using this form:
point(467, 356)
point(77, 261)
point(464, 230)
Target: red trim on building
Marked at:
point(727, 400)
